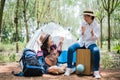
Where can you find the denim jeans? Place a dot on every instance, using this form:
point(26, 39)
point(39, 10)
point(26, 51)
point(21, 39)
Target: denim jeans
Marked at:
point(94, 50)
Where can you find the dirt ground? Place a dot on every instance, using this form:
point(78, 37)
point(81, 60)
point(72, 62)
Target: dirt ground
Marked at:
point(6, 68)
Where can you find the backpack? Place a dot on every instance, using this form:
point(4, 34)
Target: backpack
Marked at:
point(32, 64)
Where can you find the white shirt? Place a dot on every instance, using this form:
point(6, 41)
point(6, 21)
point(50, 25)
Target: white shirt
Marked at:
point(87, 39)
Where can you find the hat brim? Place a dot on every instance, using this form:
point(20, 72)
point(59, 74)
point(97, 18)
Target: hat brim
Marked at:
point(88, 14)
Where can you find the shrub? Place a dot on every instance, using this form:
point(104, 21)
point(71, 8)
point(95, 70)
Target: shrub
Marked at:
point(117, 48)
point(2, 47)
point(12, 57)
point(106, 61)
point(2, 58)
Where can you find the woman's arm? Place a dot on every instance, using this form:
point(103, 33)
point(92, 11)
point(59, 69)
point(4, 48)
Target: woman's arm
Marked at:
point(95, 33)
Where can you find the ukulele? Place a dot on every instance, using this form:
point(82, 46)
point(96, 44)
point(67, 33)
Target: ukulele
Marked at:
point(51, 59)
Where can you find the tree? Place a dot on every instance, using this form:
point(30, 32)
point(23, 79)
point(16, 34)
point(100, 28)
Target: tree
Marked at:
point(16, 22)
point(43, 7)
point(25, 3)
point(2, 2)
point(116, 24)
point(100, 17)
point(109, 6)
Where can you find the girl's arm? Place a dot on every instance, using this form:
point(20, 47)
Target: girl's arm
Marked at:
point(60, 44)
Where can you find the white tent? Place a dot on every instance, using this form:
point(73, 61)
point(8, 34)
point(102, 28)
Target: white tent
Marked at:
point(55, 31)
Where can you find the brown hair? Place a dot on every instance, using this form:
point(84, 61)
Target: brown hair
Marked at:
point(44, 39)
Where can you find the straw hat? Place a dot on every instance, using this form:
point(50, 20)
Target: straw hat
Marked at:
point(88, 12)
point(43, 37)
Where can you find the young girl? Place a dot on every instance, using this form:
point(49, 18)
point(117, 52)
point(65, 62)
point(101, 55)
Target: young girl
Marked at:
point(48, 46)
point(51, 51)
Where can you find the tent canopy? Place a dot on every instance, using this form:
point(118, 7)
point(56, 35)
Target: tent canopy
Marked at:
point(56, 31)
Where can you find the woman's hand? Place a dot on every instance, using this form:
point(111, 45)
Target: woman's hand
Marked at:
point(83, 30)
point(92, 32)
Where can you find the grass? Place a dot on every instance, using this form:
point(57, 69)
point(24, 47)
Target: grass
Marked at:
point(6, 47)
point(12, 46)
point(8, 58)
point(8, 53)
point(106, 61)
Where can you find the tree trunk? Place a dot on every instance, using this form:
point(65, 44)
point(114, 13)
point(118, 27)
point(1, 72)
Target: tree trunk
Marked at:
point(37, 13)
point(25, 20)
point(2, 3)
point(16, 22)
point(26, 26)
point(101, 34)
point(27, 32)
point(109, 33)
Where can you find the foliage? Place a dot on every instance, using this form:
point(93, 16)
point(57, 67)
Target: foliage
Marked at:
point(2, 58)
point(7, 51)
point(115, 17)
point(12, 57)
point(2, 48)
point(8, 58)
point(107, 61)
point(22, 45)
point(67, 13)
point(5, 47)
point(117, 48)
point(109, 6)
point(7, 38)
point(110, 60)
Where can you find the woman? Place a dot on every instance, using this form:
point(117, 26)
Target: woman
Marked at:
point(51, 51)
point(89, 33)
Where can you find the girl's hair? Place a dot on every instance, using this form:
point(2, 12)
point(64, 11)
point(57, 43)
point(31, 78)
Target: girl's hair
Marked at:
point(45, 42)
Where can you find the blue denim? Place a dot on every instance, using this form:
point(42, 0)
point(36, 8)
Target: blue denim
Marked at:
point(94, 50)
